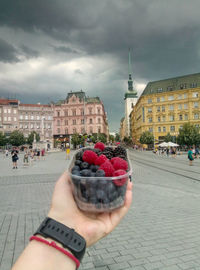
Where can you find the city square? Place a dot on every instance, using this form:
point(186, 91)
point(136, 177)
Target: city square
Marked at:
point(160, 231)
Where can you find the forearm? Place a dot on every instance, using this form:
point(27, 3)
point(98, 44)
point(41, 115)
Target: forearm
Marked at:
point(38, 256)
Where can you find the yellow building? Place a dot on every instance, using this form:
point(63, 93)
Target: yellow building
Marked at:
point(165, 106)
point(122, 132)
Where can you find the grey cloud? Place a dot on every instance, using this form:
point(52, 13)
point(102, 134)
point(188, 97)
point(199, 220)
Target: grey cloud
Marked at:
point(29, 53)
point(8, 53)
point(65, 49)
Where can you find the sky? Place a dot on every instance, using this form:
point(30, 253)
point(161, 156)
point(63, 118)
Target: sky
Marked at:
point(48, 47)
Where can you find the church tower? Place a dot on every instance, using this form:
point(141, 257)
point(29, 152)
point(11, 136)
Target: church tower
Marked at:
point(130, 98)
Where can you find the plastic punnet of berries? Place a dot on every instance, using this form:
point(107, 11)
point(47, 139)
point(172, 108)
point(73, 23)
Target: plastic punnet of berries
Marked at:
point(99, 177)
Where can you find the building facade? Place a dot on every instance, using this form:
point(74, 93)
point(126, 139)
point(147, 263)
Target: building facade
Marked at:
point(36, 117)
point(79, 114)
point(165, 106)
point(9, 115)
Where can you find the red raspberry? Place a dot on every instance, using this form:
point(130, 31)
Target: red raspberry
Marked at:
point(89, 156)
point(100, 146)
point(113, 159)
point(120, 164)
point(107, 167)
point(119, 182)
point(100, 159)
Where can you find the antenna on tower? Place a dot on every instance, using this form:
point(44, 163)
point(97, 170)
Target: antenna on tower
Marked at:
point(129, 62)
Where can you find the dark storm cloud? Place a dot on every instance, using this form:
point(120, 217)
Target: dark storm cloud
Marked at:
point(28, 52)
point(164, 37)
point(8, 53)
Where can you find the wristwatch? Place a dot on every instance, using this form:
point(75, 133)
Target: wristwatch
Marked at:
point(66, 236)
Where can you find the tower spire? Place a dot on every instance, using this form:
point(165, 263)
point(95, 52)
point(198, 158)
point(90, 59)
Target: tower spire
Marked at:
point(130, 81)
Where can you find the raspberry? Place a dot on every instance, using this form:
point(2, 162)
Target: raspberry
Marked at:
point(100, 146)
point(89, 156)
point(119, 182)
point(113, 159)
point(100, 160)
point(107, 167)
point(120, 164)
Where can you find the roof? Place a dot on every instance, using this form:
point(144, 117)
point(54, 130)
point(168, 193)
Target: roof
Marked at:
point(93, 100)
point(34, 105)
point(79, 94)
point(173, 84)
point(4, 101)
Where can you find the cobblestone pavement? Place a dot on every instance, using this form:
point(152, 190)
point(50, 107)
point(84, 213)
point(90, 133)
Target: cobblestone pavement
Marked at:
point(161, 230)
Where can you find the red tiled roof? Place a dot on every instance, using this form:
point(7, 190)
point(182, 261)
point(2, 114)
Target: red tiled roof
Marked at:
point(4, 101)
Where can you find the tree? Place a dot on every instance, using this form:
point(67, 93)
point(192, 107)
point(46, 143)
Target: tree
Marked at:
point(31, 137)
point(127, 140)
point(168, 138)
point(117, 137)
point(188, 135)
point(147, 138)
point(16, 138)
point(75, 140)
point(111, 138)
point(102, 137)
point(2, 139)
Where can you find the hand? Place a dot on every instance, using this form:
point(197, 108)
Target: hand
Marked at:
point(91, 226)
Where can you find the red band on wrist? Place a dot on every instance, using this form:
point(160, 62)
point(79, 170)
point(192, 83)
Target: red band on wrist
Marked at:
point(53, 244)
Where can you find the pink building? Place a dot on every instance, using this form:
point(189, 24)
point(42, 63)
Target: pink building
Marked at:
point(8, 115)
point(39, 118)
point(79, 114)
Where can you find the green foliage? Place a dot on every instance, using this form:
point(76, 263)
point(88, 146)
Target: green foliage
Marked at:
point(31, 137)
point(16, 138)
point(111, 138)
point(146, 138)
point(75, 140)
point(188, 135)
point(102, 138)
point(3, 139)
point(168, 138)
point(117, 137)
point(127, 140)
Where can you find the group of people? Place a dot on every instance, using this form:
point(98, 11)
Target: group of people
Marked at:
point(29, 155)
point(167, 151)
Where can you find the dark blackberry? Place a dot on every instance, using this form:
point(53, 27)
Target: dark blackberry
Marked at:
point(108, 154)
point(109, 149)
point(119, 150)
point(97, 151)
point(79, 155)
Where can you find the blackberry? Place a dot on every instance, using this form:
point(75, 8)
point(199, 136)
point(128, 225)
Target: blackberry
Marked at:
point(97, 151)
point(79, 155)
point(119, 150)
point(108, 154)
point(109, 149)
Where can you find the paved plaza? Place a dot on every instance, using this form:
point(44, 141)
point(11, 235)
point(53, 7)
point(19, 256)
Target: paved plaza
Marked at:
point(160, 231)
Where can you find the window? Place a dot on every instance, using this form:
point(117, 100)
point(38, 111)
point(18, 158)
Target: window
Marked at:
point(195, 94)
point(14, 111)
point(196, 116)
point(5, 118)
point(163, 118)
point(26, 117)
point(158, 99)
point(171, 117)
point(150, 110)
point(15, 119)
point(82, 121)
point(90, 110)
point(32, 126)
point(9, 110)
point(185, 117)
point(193, 85)
point(66, 122)
point(197, 126)
point(66, 131)
point(169, 88)
point(49, 117)
point(171, 107)
point(185, 95)
point(99, 111)
point(172, 128)
point(5, 111)
point(99, 129)
point(73, 122)
point(185, 106)
point(180, 96)
point(170, 97)
point(158, 118)
point(150, 129)
point(158, 109)
point(159, 90)
point(159, 129)
point(82, 112)
point(20, 126)
point(196, 104)
point(99, 120)
point(91, 130)
point(183, 86)
point(58, 113)
point(74, 112)
point(38, 117)
point(90, 120)
point(164, 129)
point(149, 100)
point(58, 130)
point(58, 122)
point(9, 118)
point(74, 130)
point(180, 117)
point(150, 119)
point(32, 117)
point(163, 108)
point(179, 106)
point(162, 98)
point(66, 113)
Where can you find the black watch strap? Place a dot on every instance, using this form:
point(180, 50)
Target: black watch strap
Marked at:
point(64, 235)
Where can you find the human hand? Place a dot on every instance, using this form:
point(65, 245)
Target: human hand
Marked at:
point(92, 226)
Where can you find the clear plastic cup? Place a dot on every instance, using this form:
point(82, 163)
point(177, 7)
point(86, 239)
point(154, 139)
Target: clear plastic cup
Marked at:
point(99, 194)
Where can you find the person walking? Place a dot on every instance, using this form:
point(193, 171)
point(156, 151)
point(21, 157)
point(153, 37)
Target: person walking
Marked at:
point(15, 157)
point(190, 156)
point(68, 152)
point(6, 152)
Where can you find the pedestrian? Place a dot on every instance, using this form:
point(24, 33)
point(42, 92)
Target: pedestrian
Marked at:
point(167, 151)
point(38, 154)
point(190, 156)
point(26, 162)
point(43, 154)
point(68, 152)
point(66, 219)
point(15, 157)
point(6, 152)
point(197, 152)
